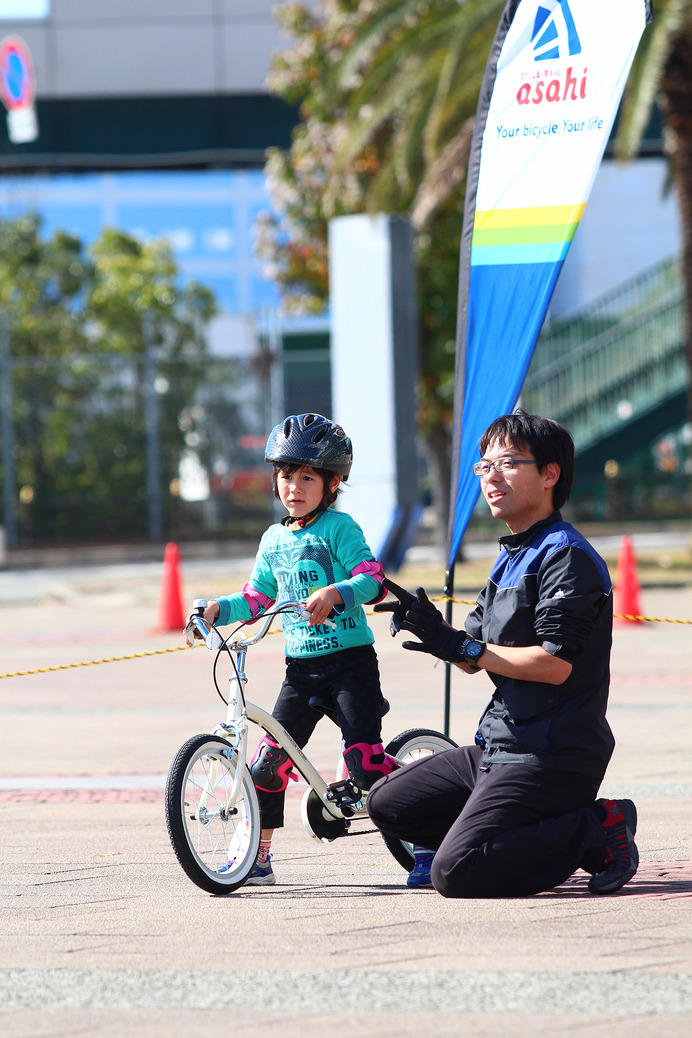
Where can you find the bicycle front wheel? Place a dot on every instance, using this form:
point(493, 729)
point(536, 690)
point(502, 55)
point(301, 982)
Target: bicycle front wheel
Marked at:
point(215, 841)
point(408, 747)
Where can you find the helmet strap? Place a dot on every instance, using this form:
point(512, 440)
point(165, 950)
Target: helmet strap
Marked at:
point(302, 520)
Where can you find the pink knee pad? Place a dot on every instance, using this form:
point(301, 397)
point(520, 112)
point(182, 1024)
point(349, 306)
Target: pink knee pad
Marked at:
point(368, 762)
point(271, 767)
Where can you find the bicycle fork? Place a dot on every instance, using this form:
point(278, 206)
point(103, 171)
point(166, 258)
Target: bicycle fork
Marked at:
point(234, 731)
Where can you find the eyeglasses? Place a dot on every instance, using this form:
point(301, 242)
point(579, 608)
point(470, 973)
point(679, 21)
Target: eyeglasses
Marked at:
point(482, 468)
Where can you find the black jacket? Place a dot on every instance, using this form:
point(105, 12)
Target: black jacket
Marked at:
point(550, 588)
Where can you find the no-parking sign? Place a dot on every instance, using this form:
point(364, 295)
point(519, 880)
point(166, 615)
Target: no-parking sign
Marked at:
point(17, 86)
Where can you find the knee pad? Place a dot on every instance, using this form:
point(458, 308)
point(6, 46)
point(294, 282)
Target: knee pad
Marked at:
point(367, 762)
point(270, 767)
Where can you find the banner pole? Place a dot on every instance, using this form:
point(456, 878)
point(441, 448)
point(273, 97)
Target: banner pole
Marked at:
point(448, 592)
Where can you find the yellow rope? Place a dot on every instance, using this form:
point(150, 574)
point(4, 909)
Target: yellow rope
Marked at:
point(178, 648)
point(616, 616)
point(92, 663)
point(649, 619)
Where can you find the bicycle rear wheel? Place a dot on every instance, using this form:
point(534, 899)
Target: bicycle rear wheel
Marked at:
point(215, 841)
point(410, 746)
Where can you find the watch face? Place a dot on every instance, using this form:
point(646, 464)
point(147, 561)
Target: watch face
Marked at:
point(474, 650)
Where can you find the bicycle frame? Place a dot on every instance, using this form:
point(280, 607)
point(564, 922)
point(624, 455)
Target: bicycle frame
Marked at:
point(240, 711)
point(213, 813)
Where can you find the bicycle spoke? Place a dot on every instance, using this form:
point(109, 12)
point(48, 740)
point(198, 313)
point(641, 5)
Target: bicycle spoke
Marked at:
point(212, 814)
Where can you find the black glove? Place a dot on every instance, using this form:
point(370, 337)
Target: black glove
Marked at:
point(436, 637)
point(397, 609)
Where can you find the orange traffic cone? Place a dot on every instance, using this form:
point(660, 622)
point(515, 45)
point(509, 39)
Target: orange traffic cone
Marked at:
point(170, 599)
point(626, 604)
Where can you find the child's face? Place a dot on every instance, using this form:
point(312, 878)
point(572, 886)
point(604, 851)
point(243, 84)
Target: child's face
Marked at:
point(302, 491)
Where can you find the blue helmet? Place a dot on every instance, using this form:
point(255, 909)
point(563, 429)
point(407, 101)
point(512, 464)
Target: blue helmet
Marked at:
point(310, 439)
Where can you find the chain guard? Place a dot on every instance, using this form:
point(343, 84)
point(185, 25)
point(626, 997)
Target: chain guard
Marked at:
point(319, 824)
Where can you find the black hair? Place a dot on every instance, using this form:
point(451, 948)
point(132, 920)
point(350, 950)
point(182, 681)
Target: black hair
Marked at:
point(544, 438)
point(288, 468)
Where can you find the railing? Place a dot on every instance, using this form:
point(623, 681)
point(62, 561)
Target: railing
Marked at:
point(615, 362)
point(560, 336)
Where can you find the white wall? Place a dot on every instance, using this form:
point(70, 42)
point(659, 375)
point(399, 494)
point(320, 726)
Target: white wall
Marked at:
point(629, 224)
point(106, 48)
point(362, 366)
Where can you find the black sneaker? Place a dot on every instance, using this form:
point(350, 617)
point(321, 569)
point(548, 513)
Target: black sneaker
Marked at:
point(622, 856)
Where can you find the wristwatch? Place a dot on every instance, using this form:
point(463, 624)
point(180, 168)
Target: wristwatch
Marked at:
point(473, 651)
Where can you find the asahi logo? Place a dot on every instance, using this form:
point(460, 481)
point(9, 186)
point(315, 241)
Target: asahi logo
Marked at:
point(565, 86)
point(554, 32)
point(554, 37)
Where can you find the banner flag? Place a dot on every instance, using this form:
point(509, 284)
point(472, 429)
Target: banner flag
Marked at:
point(550, 93)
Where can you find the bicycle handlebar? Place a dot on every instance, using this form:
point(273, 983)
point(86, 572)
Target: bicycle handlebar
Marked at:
point(214, 640)
point(211, 637)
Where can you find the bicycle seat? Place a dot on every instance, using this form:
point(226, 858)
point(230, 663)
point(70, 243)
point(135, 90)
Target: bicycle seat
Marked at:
point(324, 705)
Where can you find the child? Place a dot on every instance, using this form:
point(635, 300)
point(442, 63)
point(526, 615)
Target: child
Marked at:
point(319, 557)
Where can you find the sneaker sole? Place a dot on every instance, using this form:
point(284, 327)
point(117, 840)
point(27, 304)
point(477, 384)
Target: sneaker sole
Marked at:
point(630, 812)
point(616, 883)
point(261, 881)
point(415, 882)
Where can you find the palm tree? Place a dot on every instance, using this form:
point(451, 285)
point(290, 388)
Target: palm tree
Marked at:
point(662, 72)
point(387, 92)
point(411, 77)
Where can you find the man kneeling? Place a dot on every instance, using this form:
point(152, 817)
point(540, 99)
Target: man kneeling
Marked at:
point(516, 813)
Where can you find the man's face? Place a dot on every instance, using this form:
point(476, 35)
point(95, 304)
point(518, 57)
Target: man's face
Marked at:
point(520, 496)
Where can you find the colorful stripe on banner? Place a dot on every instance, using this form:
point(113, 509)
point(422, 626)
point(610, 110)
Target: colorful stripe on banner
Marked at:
point(535, 234)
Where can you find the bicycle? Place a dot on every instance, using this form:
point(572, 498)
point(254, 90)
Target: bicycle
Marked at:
point(212, 810)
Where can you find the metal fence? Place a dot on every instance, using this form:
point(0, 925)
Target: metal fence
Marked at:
point(114, 447)
point(608, 366)
point(559, 337)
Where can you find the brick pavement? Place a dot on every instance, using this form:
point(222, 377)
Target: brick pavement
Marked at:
point(103, 934)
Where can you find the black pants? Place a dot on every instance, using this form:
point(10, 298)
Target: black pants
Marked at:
point(351, 678)
point(510, 831)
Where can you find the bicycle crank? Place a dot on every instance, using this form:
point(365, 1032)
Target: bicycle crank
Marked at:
point(318, 822)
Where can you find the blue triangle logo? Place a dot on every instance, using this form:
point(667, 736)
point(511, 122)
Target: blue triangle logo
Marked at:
point(554, 33)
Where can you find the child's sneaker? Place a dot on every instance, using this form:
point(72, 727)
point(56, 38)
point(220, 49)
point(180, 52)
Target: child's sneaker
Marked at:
point(419, 876)
point(262, 874)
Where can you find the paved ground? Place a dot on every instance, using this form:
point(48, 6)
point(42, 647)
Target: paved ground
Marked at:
point(102, 934)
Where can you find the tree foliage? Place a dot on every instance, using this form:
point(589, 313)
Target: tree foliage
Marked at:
point(387, 91)
point(77, 319)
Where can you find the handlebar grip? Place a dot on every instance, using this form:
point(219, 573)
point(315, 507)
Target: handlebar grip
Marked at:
point(305, 615)
point(208, 634)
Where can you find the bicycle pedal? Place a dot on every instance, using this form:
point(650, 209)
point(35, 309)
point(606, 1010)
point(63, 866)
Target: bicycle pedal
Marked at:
point(347, 795)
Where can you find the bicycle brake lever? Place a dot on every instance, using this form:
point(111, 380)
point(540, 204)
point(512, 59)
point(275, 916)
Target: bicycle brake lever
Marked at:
point(198, 606)
point(305, 615)
point(212, 638)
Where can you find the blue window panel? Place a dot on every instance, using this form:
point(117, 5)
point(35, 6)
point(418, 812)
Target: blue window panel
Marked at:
point(192, 230)
point(263, 292)
point(207, 216)
point(83, 221)
point(225, 286)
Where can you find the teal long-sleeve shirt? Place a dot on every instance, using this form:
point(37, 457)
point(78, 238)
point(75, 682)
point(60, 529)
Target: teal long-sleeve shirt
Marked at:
point(291, 564)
